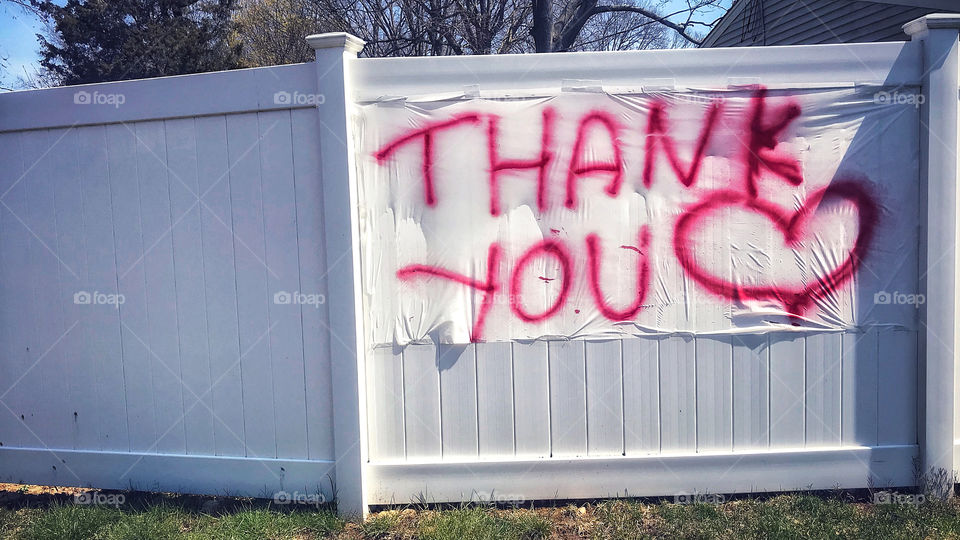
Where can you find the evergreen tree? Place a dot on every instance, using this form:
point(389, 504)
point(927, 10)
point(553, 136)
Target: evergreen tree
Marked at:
point(110, 40)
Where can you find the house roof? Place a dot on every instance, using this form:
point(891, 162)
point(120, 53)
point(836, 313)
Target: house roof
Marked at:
point(736, 10)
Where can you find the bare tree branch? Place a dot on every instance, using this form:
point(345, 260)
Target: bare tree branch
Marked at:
point(678, 28)
point(454, 27)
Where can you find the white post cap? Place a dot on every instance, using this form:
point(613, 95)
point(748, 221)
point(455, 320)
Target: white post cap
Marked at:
point(933, 21)
point(336, 40)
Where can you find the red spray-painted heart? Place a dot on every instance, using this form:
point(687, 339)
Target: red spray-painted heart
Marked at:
point(795, 298)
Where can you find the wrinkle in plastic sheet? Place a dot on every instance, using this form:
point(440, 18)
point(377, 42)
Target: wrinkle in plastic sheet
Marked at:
point(802, 212)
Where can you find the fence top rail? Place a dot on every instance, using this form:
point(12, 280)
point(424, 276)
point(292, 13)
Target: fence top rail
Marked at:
point(222, 92)
point(882, 64)
point(282, 87)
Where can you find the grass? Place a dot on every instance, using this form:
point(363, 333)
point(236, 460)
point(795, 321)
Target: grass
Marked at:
point(482, 524)
point(784, 516)
point(163, 522)
point(381, 525)
point(787, 517)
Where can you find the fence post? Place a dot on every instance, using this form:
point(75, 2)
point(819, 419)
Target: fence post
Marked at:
point(939, 35)
point(341, 232)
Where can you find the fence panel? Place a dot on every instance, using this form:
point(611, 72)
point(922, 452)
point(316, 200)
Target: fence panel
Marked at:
point(749, 392)
point(164, 285)
point(255, 290)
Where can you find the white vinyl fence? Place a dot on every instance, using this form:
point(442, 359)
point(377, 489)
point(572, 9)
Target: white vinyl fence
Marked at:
point(386, 280)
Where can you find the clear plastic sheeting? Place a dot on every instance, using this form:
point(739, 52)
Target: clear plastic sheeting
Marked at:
point(591, 215)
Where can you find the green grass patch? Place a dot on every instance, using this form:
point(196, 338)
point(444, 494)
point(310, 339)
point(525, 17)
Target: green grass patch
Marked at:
point(781, 517)
point(380, 526)
point(483, 524)
point(163, 522)
point(71, 522)
point(786, 517)
point(256, 524)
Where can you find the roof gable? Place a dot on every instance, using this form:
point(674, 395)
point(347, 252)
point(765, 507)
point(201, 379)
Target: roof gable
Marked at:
point(741, 9)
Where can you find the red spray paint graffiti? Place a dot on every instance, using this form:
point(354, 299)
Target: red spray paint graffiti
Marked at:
point(578, 168)
point(795, 299)
point(426, 135)
point(489, 287)
point(643, 278)
point(763, 141)
point(658, 134)
point(556, 250)
point(549, 248)
point(760, 154)
point(541, 163)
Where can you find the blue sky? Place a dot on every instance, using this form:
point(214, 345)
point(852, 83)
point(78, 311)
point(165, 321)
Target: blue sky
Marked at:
point(18, 41)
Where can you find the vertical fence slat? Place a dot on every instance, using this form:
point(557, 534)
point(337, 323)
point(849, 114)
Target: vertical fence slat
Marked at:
point(385, 423)
point(458, 399)
point(824, 366)
point(859, 396)
point(46, 415)
point(124, 186)
point(220, 285)
point(678, 396)
point(751, 396)
point(714, 393)
point(30, 389)
point(14, 261)
point(495, 413)
point(71, 248)
point(786, 390)
point(641, 398)
point(187, 233)
point(568, 407)
point(604, 398)
point(313, 278)
point(531, 397)
point(243, 133)
point(158, 264)
point(897, 388)
point(283, 281)
point(102, 328)
point(421, 396)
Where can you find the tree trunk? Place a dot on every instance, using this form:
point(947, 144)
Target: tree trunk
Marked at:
point(542, 30)
point(571, 29)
